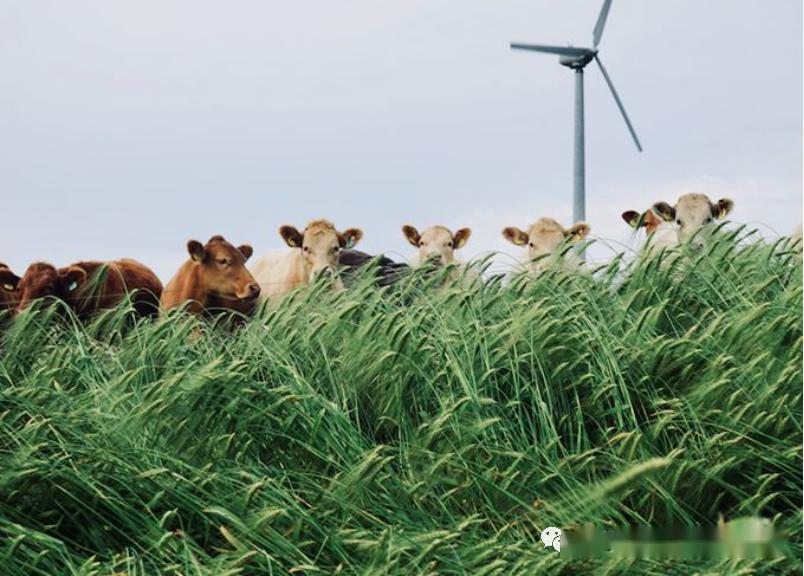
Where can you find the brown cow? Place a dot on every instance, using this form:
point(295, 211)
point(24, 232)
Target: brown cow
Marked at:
point(661, 234)
point(214, 278)
point(87, 287)
point(8, 288)
point(647, 220)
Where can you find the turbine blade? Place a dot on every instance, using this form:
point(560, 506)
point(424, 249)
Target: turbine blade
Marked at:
point(619, 103)
point(601, 22)
point(561, 50)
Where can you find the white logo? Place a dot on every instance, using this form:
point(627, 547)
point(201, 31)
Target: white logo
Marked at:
point(552, 538)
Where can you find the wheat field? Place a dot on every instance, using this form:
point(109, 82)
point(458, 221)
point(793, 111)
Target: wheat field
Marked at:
point(431, 427)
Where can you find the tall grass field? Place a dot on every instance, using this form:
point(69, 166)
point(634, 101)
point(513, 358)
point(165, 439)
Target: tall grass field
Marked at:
point(430, 427)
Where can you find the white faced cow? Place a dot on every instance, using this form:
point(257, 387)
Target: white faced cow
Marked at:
point(544, 239)
point(437, 244)
point(661, 234)
point(694, 216)
point(313, 251)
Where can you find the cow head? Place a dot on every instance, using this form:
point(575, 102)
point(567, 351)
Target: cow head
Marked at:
point(545, 236)
point(437, 244)
point(8, 288)
point(223, 269)
point(320, 244)
point(647, 220)
point(693, 213)
point(42, 280)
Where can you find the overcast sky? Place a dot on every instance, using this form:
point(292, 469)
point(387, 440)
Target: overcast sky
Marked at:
point(128, 127)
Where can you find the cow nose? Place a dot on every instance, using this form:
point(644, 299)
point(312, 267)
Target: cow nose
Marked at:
point(253, 290)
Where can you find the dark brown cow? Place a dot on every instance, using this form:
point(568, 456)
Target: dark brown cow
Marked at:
point(87, 287)
point(8, 288)
point(215, 278)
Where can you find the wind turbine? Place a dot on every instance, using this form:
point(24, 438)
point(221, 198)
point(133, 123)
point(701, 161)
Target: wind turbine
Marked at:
point(577, 59)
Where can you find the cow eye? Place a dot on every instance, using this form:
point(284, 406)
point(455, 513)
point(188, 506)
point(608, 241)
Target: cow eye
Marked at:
point(530, 244)
point(679, 222)
point(421, 244)
point(449, 244)
point(336, 248)
point(708, 220)
point(306, 249)
point(223, 261)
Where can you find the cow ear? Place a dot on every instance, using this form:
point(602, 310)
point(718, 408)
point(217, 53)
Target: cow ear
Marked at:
point(721, 208)
point(246, 250)
point(291, 236)
point(578, 231)
point(350, 237)
point(72, 277)
point(460, 238)
point(633, 219)
point(196, 250)
point(515, 236)
point(665, 211)
point(8, 280)
point(412, 235)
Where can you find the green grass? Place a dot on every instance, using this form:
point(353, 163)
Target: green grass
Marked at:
point(428, 429)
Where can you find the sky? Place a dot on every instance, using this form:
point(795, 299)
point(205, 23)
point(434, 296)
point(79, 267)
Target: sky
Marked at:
point(127, 128)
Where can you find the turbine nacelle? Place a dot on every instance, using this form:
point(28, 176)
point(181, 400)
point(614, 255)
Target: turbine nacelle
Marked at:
point(576, 62)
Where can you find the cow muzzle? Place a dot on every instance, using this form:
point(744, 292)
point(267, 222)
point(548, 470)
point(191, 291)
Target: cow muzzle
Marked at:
point(325, 273)
point(435, 259)
point(252, 292)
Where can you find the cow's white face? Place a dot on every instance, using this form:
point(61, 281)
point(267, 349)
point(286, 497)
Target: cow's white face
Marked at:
point(437, 244)
point(320, 245)
point(694, 215)
point(545, 237)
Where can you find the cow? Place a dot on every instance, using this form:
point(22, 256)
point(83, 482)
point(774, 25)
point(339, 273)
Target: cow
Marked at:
point(436, 244)
point(544, 240)
point(8, 288)
point(694, 216)
point(661, 234)
point(89, 286)
point(314, 251)
point(386, 271)
point(214, 279)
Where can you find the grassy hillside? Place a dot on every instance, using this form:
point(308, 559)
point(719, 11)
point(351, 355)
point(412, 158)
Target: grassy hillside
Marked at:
point(421, 430)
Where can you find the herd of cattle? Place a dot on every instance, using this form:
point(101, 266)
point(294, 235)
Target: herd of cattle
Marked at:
point(215, 276)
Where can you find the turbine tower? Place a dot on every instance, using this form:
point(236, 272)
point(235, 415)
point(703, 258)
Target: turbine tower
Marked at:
point(577, 59)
